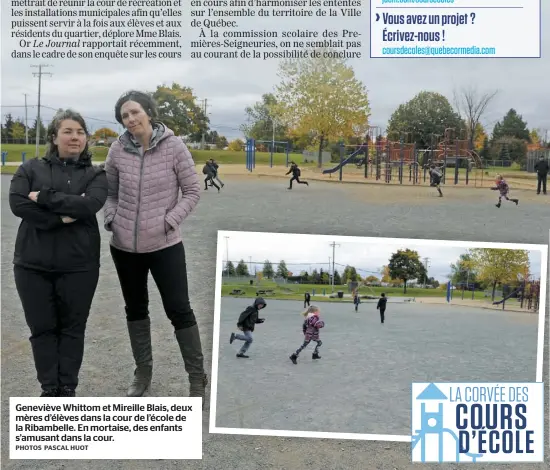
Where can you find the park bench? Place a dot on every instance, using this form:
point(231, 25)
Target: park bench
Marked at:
point(237, 292)
point(265, 292)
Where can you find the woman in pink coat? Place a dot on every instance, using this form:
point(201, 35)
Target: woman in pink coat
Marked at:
point(147, 169)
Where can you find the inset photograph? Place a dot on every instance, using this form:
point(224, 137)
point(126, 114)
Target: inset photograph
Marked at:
point(323, 336)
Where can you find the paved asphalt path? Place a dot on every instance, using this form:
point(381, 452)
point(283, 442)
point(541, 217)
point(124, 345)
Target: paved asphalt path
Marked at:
point(258, 205)
point(362, 382)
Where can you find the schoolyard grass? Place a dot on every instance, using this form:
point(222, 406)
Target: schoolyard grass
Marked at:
point(323, 292)
point(265, 166)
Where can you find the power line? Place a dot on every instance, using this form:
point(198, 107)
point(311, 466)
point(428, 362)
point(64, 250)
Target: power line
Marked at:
point(204, 110)
point(333, 244)
point(26, 123)
point(39, 75)
point(426, 261)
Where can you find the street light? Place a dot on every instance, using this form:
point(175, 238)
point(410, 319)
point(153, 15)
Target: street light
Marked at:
point(227, 254)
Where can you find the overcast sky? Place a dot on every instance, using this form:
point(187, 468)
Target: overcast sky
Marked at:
point(93, 86)
point(307, 252)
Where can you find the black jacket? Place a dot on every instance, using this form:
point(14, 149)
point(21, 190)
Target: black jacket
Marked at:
point(248, 319)
point(44, 242)
point(382, 301)
point(542, 167)
point(209, 170)
point(294, 170)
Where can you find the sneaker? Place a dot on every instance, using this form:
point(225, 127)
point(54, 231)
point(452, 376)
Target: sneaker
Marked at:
point(315, 356)
point(294, 359)
point(497, 205)
point(232, 338)
point(243, 355)
point(50, 393)
point(67, 392)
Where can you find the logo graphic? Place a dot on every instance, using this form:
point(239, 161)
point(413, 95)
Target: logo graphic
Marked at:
point(477, 422)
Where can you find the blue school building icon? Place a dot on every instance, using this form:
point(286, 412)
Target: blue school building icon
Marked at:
point(431, 425)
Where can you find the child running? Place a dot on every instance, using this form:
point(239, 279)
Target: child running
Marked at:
point(296, 172)
point(435, 178)
point(356, 300)
point(246, 323)
point(382, 301)
point(312, 325)
point(504, 189)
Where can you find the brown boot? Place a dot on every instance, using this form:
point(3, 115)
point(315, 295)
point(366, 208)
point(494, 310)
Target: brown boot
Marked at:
point(189, 342)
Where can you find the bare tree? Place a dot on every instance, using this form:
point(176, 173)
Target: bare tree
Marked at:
point(471, 105)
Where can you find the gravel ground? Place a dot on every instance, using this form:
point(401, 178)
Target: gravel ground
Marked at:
point(362, 382)
point(256, 204)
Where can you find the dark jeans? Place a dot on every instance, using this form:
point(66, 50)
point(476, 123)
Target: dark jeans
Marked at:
point(541, 181)
point(210, 179)
point(56, 309)
point(297, 179)
point(306, 303)
point(382, 312)
point(169, 272)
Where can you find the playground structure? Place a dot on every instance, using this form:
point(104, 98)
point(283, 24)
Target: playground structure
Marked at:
point(250, 148)
point(402, 162)
point(527, 294)
point(5, 157)
point(389, 161)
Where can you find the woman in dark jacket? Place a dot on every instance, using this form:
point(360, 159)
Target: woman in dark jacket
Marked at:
point(57, 249)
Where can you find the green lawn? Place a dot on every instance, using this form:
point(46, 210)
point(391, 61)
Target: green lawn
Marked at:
point(8, 170)
point(227, 157)
point(15, 151)
point(200, 156)
point(297, 291)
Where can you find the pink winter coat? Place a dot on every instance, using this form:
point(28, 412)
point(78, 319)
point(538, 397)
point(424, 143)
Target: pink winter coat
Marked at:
point(143, 208)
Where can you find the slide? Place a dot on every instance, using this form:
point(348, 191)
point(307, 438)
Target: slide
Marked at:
point(510, 295)
point(344, 162)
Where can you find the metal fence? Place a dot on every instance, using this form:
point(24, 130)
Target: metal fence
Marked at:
point(533, 157)
point(310, 156)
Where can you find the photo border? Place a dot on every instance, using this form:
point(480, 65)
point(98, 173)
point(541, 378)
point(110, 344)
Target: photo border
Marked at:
point(213, 429)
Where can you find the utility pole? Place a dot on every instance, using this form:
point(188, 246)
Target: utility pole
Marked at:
point(467, 283)
point(273, 136)
point(426, 261)
point(334, 245)
point(39, 75)
point(26, 121)
point(227, 254)
point(204, 109)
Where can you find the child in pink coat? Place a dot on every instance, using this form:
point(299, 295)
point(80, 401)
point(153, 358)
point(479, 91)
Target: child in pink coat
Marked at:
point(311, 326)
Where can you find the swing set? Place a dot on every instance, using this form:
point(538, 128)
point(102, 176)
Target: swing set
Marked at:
point(250, 148)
